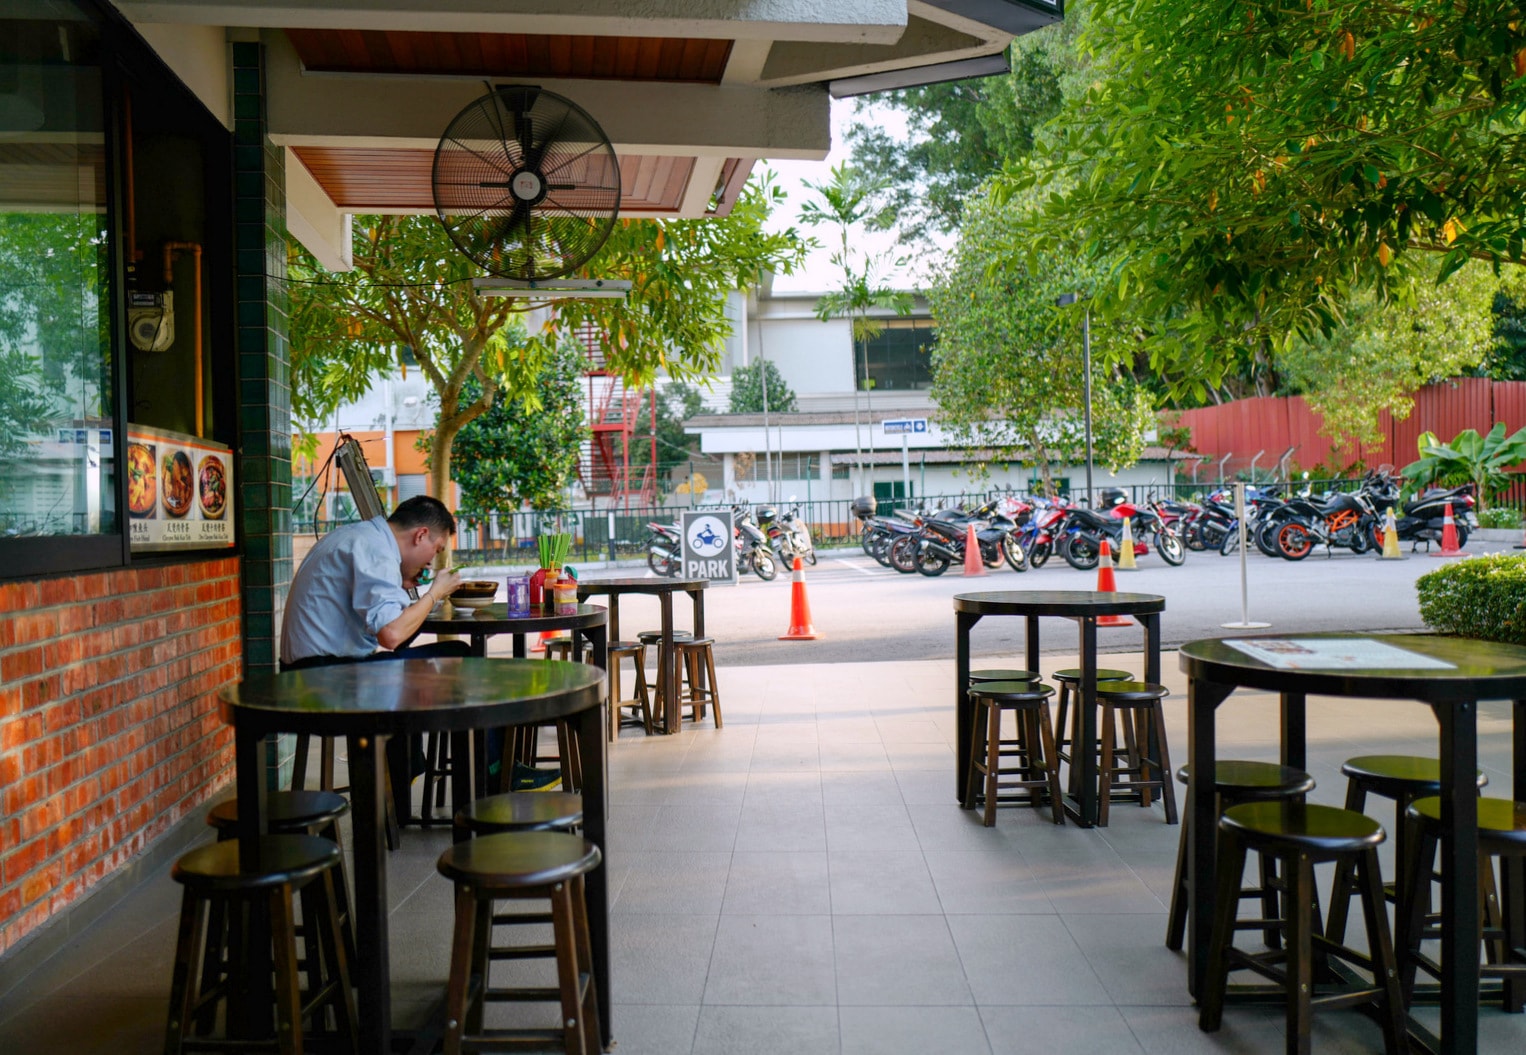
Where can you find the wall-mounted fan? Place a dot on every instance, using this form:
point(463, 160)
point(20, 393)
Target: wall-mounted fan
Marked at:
point(526, 183)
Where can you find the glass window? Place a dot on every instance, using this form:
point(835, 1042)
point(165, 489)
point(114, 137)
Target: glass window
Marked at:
point(57, 474)
point(900, 357)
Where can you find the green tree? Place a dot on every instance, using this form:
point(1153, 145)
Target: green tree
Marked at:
point(1506, 360)
point(1469, 458)
point(748, 390)
point(961, 133)
point(411, 289)
point(1008, 366)
point(1380, 355)
point(846, 202)
point(1245, 170)
point(524, 450)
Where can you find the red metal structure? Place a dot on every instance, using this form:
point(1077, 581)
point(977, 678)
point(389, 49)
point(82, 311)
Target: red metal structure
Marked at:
point(604, 464)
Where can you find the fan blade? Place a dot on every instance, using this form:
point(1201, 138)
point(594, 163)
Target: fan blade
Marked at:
point(508, 167)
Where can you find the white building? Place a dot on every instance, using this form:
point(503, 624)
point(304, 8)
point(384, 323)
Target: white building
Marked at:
point(847, 437)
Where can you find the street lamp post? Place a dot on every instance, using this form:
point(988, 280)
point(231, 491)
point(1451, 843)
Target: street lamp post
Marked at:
point(1064, 300)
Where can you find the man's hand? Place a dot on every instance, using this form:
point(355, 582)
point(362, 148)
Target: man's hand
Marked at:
point(445, 583)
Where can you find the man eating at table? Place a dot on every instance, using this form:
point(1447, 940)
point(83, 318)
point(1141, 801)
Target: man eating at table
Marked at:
point(349, 601)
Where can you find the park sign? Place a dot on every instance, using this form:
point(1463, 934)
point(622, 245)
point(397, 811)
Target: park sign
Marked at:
point(709, 551)
point(904, 426)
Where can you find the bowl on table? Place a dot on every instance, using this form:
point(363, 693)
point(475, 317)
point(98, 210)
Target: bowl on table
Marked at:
point(474, 593)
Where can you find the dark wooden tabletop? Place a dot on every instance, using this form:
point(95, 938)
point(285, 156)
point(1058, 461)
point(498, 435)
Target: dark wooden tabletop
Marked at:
point(1065, 603)
point(1480, 669)
point(392, 697)
point(495, 619)
point(638, 584)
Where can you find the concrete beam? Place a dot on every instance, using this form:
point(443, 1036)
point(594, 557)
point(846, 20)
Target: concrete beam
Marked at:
point(314, 220)
point(925, 42)
point(869, 21)
point(199, 57)
point(688, 120)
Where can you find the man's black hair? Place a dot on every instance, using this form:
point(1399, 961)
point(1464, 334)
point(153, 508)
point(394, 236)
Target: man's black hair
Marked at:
point(424, 511)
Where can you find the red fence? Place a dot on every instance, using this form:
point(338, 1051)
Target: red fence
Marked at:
point(1275, 423)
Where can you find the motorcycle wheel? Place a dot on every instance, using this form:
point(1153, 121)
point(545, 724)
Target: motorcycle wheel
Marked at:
point(1081, 554)
point(929, 563)
point(1294, 541)
point(990, 555)
point(1039, 553)
point(1170, 548)
point(902, 555)
point(763, 563)
point(879, 549)
point(664, 566)
point(1017, 557)
point(810, 556)
point(1462, 536)
point(868, 541)
point(1231, 542)
point(1266, 538)
point(1377, 535)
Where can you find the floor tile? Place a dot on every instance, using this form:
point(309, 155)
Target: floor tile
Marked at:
point(778, 884)
point(653, 1029)
point(754, 1030)
point(660, 959)
point(1054, 971)
point(869, 826)
point(782, 827)
point(874, 883)
point(768, 960)
point(897, 961)
point(989, 883)
point(1023, 1030)
point(904, 1030)
point(673, 883)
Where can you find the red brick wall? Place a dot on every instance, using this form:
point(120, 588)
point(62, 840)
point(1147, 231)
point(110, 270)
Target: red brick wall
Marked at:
point(109, 731)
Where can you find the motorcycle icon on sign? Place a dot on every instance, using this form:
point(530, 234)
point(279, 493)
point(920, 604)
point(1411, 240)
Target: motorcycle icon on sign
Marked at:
point(706, 536)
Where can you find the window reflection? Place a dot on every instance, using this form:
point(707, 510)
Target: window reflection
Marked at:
point(899, 356)
point(56, 413)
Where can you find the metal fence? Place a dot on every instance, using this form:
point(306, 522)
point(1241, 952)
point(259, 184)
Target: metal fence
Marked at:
point(601, 535)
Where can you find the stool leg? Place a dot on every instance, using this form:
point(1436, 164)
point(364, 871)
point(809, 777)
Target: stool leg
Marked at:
point(993, 761)
point(1157, 714)
point(1343, 885)
point(1106, 770)
point(614, 700)
point(563, 932)
point(977, 749)
point(1051, 765)
point(714, 690)
point(1176, 922)
point(1380, 947)
point(184, 983)
point(283, 927)
point(1513, 924)
point(325, 763)
point(1300, 945)
point(1231, 865)
point(460, 969)
point(299, 762)
point(591, 1021)
point(643, 691)
point(1414, 905)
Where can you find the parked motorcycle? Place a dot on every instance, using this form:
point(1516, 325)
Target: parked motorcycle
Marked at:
point(1424, 516)
point(944, 536)
point(780, 540)
point(1339, 520)
point(753, 550)
point(664, 549)
point(1085, 529)
point(800, 531)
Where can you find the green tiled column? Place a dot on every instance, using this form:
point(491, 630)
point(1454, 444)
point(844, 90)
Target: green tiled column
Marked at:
point(263, 371)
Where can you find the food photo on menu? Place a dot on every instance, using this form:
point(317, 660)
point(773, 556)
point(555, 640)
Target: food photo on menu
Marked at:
point(142, 480)
point(178, 488)
point(212, 486)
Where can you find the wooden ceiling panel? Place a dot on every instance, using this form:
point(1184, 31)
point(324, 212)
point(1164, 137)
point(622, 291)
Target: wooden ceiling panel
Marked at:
point(683, 60)
point(359, 179)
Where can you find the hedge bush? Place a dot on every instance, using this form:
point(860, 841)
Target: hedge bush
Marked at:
point(1482, 597)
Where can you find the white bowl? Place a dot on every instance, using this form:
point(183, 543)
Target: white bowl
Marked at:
point(471, 602)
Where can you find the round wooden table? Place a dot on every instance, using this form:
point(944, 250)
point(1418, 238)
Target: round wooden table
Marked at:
point(371, 701)
point(1295, 668)
point(587, 623)
point(1082, 606)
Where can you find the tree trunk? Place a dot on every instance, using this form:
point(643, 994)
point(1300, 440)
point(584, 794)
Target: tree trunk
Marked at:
point(439, 476)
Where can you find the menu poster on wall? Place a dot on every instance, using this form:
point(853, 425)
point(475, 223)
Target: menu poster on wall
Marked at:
point(179, 491)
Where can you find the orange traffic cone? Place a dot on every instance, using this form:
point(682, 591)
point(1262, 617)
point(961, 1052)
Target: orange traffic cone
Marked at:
point(1449, 546)
point(1105, 584)
point(540, 642)
point(800, 628)
point(973, 565)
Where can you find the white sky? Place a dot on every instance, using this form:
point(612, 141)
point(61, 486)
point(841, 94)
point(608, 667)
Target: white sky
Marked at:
point(819, 274)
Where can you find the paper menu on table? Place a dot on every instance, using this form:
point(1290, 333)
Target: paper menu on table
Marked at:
point(1341, 653)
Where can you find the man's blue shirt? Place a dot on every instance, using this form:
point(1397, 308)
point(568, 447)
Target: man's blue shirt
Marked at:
point(348, 588)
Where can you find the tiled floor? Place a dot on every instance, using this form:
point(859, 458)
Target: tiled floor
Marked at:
point(801, 882)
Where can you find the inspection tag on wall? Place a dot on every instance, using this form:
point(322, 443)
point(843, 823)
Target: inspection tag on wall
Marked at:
point(179, 491)
point(709, 552)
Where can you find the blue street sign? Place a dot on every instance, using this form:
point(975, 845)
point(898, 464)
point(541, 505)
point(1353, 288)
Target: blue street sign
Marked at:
point(901, 426)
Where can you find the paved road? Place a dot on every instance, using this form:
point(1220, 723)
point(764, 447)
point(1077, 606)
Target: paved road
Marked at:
point(866, 612)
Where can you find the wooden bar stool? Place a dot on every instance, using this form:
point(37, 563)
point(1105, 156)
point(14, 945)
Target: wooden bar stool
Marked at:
point(1402, 778)
point(296, 813)
point(1018, 742)
point(1148, 765)
point(211, 876)
point(547, 866)
point(1300, 835)
point(1069, 680)
point(559, 647)
point(1036, 772)
point(696, 677)
point(634, 651)
point(1236, 782)
point(1502, 834)
point(521, 811)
